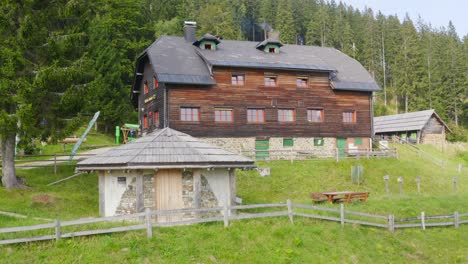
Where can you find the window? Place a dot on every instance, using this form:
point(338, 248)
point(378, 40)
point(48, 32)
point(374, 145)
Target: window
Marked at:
point(237, 79)
point(286, 115)
point(349, 117)
point(270, 81)
point(156, 83)
point(302, 82)
point(145, 121)
point(318, 142)
point(315, 115)
point(358, 141)
point(288, 142)
point(271, 50)
point(122, 180)
point(223, 115)
point(208, 46)
point(156, 118)
point(190, 114)
point(146, 87)
point(256, 115)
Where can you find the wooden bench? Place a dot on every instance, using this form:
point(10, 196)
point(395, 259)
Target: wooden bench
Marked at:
point(361, 196)
point(318, 197)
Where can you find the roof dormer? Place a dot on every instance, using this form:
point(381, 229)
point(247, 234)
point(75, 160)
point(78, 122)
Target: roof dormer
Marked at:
point(269, 46)
point(208, 42)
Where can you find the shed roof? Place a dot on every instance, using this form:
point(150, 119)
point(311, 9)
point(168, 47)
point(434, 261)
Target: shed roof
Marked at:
point(165, 148)
point(404, 122)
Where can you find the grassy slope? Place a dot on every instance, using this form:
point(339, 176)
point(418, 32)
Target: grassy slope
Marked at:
point(263, 240)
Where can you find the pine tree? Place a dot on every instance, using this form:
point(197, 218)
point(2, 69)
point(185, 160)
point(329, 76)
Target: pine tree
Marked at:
point(285, 22)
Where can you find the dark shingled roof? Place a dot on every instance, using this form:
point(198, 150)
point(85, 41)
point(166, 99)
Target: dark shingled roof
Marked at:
point(165, 148)
point(175, 60)
point(404, 122)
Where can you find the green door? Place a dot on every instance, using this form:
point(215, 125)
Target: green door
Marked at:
point(341, 146)
point(261, 149)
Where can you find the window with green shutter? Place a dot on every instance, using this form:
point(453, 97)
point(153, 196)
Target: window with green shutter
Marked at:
point(318, 142)
point(358, 141)
point(288, 142)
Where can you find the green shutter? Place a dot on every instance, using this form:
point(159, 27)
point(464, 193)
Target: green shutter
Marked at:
point(288, 142)
point(358, 141)
point(318, 142)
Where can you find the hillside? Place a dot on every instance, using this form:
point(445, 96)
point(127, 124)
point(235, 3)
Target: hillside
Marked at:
point(272, 240)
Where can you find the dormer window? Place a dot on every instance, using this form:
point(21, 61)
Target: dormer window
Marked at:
point(269, 46)
point(207, 42)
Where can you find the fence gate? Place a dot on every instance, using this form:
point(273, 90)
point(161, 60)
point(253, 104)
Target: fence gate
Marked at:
point(261, 149)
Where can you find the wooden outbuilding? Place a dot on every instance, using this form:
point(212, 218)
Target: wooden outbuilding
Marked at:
point(415, 127)
point(165, 169)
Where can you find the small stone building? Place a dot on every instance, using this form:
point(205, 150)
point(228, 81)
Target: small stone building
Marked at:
point(422, 127)
point(165, 169)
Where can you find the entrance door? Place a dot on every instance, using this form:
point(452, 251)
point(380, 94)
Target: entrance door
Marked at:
point(341, 146)
point(168, 189)
point(261, 149)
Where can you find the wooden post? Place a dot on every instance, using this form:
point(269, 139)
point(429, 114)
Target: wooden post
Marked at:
point(455, 180)
point(460, 166)
point(418, 183)
point(57, 229)
point(400, 181)
point(226, 215)
point(290, 211)
point(342, 216)
point(423, 221)
point(455, 219)
point(386, 178)
point(55, 163)
point(149, 227)
point(391, 223)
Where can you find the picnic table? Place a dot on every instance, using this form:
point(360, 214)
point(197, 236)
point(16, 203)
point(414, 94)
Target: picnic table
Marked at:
point(345, 196)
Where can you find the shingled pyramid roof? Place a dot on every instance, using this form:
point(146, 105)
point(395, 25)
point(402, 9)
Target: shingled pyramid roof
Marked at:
point(165, 148)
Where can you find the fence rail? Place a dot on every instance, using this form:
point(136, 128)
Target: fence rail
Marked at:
point(301, 154)
point(149, 219)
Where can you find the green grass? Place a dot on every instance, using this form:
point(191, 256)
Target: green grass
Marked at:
point(272, 240)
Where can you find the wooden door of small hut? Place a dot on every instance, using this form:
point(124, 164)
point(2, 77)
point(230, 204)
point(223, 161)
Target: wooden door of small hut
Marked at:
point(168, 189)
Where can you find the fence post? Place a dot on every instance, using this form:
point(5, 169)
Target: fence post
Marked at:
point(391, 223)
point(290, 211)
point(55, 163)
point(418, 183)
point(455, 180)
point(386, 178)
point(423, 221)
point(342, 216)
point(455, 219)
point(149, 227)
point(460, 167)
point(226, 215)
point(400, 181)
point(57, 229)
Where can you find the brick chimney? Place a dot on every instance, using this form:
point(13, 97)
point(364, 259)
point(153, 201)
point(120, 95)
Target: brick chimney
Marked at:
point(189, 31)
point(273, 35)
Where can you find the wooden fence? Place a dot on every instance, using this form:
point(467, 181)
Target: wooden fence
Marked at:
point(147, 220)
point(338, 154)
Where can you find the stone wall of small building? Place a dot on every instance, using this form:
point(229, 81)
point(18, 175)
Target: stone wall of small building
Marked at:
point(303, 146)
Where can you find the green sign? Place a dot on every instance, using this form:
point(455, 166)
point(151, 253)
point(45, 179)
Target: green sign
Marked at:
point(318, 142)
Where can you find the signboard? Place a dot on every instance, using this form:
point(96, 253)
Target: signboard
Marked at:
point(77, 144)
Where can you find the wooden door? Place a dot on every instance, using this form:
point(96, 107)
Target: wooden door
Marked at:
point(168, 189)
point(341, 146)
point(261, 149)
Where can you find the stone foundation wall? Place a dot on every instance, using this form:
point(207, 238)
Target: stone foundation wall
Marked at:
point(187, 189)
point(303, 146)
point(149, 191)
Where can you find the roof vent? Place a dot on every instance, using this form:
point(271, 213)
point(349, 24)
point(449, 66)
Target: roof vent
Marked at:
point(189, 31)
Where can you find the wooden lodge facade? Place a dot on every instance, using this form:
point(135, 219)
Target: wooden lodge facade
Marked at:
point(240, 94)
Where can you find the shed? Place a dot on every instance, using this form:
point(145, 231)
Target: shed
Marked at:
point(415, 127)
point(165, 169)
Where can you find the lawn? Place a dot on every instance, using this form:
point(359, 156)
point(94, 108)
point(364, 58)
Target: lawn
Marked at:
point(273, 240)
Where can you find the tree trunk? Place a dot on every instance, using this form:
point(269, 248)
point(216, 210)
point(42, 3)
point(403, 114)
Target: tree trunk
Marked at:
point(9, 179)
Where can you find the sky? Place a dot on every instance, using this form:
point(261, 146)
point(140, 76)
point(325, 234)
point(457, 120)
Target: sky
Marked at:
point(438, 13)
